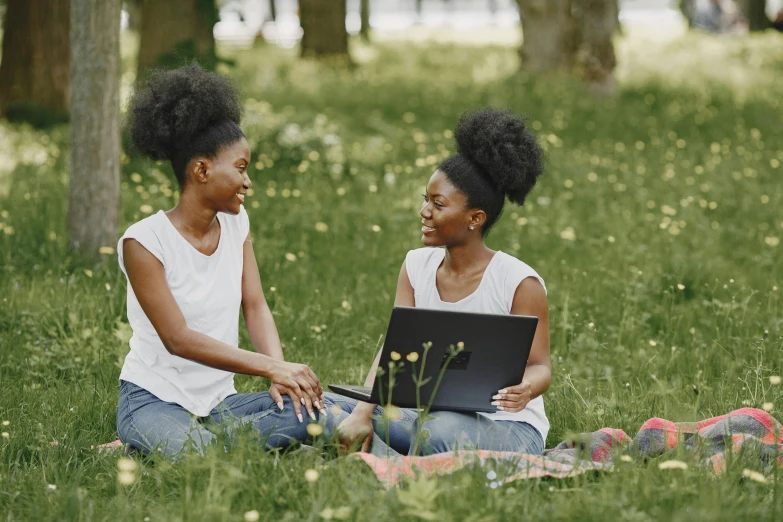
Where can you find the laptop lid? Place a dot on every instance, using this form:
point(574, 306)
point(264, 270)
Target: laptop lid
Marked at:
point(493, 354)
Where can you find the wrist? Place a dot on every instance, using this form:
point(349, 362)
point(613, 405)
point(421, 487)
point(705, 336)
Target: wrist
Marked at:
point(364, 410)
point(267, 366)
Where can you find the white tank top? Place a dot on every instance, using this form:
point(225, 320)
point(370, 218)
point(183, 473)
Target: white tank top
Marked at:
point(494, 295)
point(208, 290)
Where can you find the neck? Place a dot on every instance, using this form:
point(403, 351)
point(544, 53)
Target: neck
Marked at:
point(192, 214)
point(462, 259)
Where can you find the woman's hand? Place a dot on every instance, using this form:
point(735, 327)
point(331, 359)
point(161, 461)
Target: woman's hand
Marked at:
point(514, 398)
point(355, 429)
point(300, 383)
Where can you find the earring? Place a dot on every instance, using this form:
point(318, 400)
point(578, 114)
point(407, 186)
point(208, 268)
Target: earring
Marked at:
point(471, 227)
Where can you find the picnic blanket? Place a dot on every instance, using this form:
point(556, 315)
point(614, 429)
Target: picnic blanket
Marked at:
point(708, 442)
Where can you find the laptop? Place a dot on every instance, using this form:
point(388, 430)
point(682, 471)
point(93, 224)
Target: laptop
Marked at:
point(485, 353)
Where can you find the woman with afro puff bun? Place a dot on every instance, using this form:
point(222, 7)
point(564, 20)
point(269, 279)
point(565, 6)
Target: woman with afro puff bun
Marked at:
point(189, 271)
point(498, 158)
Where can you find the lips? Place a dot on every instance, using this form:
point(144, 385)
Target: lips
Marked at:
point(241, 197)
point(426, 229)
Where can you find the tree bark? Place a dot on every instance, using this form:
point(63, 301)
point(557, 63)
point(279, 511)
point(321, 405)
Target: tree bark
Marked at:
point(549, 35)
point(94, 183)
point(323, 28)
point(755, 13)
point(688, 9)
point(273, 10)
point(595, 58)
point(34, 68)
point(365, 16)
point(175, 32)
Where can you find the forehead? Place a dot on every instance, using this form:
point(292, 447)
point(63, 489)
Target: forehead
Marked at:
point(440, 184)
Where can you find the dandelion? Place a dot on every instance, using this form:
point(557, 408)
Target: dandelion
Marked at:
point(395, 356)
point(108, 287)
point(653, 343)
point(626, 458)
point(376, 228)
point(591, 325)
point(126, 478)
point(316, 329)
point(680, 286)
point(314, 429)
point(767, 406)
point(272, 289)
point(88, 272)
point(611, 239)
point(772, 241)
point(146, 209)
point(327, 513)
point(271, 192)
point(52, 236)
point(252, 516)
point(51, 487)
point(412, 357)
point(392, 413)
point(773, 379)
point(136, 177)
point(522, 221)
point(492, 475)
point(336, 410)
point(5, 435)
point(6, 422)
point(460, 345)
point(343, 512)
point(754, 475)
point(373, 188)
point(321, 226)
point(311, 475)
point(105, 250)
point(126, 464)
point(346, 305)
point(568, 234)
point(672, 464)
point(290, 257)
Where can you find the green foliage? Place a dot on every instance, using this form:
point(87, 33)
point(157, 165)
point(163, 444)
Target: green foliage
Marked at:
point(657, 230)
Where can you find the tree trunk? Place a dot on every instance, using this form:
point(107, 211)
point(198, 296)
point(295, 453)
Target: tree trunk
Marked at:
point(94, 186)
point(755, 13)
point(34, 68)
point(595, 58)
point(549, 37)
point(688, 9)
point(133, 8)
point(272, 10)
point(365, 16)
point(323, 28)
point(175, 32)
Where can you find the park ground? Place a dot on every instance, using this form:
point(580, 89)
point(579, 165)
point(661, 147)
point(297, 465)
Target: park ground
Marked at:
point(657, 229)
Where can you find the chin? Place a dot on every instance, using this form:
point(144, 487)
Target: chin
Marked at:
point(430, 241)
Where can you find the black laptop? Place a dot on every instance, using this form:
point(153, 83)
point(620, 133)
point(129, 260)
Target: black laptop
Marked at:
point(485, 353)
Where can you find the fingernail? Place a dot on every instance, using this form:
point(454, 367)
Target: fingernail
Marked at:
point(503, 391)
point(317, 405)
point(280, 405)
point(497, 396)
point(501, 408)
point(323, 411)
point(495, 403)
point(299, 415)
point(312, 415)
point(301, 399)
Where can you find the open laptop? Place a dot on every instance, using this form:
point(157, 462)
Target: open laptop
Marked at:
point(494, 354)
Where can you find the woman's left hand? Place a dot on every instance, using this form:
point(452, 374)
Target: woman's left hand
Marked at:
point(278, 390)
point(513, 398)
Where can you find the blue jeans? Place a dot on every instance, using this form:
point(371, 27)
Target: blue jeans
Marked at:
point(449, 431)
point(147, 423)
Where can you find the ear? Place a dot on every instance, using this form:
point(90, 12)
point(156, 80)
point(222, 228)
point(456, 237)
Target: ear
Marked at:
point(477, 219)
point(199, 170)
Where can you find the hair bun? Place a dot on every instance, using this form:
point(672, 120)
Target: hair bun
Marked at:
point(173, 106)
point(506, 152)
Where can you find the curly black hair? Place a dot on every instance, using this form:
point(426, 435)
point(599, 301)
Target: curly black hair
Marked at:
point(498, 157)
point(179, 114)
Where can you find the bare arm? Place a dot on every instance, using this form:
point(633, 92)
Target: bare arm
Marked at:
point(530, 299)
point(258, 316)
point(404, 297)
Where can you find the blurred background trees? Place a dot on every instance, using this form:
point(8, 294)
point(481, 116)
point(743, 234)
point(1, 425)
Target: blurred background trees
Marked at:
point(323, 28)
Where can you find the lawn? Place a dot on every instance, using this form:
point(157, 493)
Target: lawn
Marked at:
point(657, 229)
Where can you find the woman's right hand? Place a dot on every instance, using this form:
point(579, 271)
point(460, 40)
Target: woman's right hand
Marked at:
point(355, 429)
point(301, 385)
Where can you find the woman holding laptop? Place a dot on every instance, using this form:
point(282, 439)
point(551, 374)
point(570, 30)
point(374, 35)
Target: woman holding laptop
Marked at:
point(498, 159)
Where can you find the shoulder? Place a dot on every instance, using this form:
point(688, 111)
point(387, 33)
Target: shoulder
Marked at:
point(150, 233)
point(239, 224)
point(416, 261)
point(518, 273)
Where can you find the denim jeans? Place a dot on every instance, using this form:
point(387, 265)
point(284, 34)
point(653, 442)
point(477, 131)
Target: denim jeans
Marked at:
point(449, 431)
point(148, 423)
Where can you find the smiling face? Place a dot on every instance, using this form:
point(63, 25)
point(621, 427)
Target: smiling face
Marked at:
point(223, 179)
point(445, 216)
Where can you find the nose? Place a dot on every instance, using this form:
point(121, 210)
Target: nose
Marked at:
point(248, 182)
point(425, 212)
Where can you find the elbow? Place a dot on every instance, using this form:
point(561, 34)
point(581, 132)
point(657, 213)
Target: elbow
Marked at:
point(176, 342)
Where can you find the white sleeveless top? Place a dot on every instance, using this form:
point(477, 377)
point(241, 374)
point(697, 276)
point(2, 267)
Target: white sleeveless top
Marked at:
point(208, 290)
point(494, 295)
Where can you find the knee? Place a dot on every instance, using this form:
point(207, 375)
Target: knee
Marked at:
point(438, 435)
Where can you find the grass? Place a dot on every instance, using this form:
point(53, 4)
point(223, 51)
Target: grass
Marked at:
point(657, 229)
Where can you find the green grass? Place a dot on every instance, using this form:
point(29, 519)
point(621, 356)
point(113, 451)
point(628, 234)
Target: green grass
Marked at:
point(667, 302)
